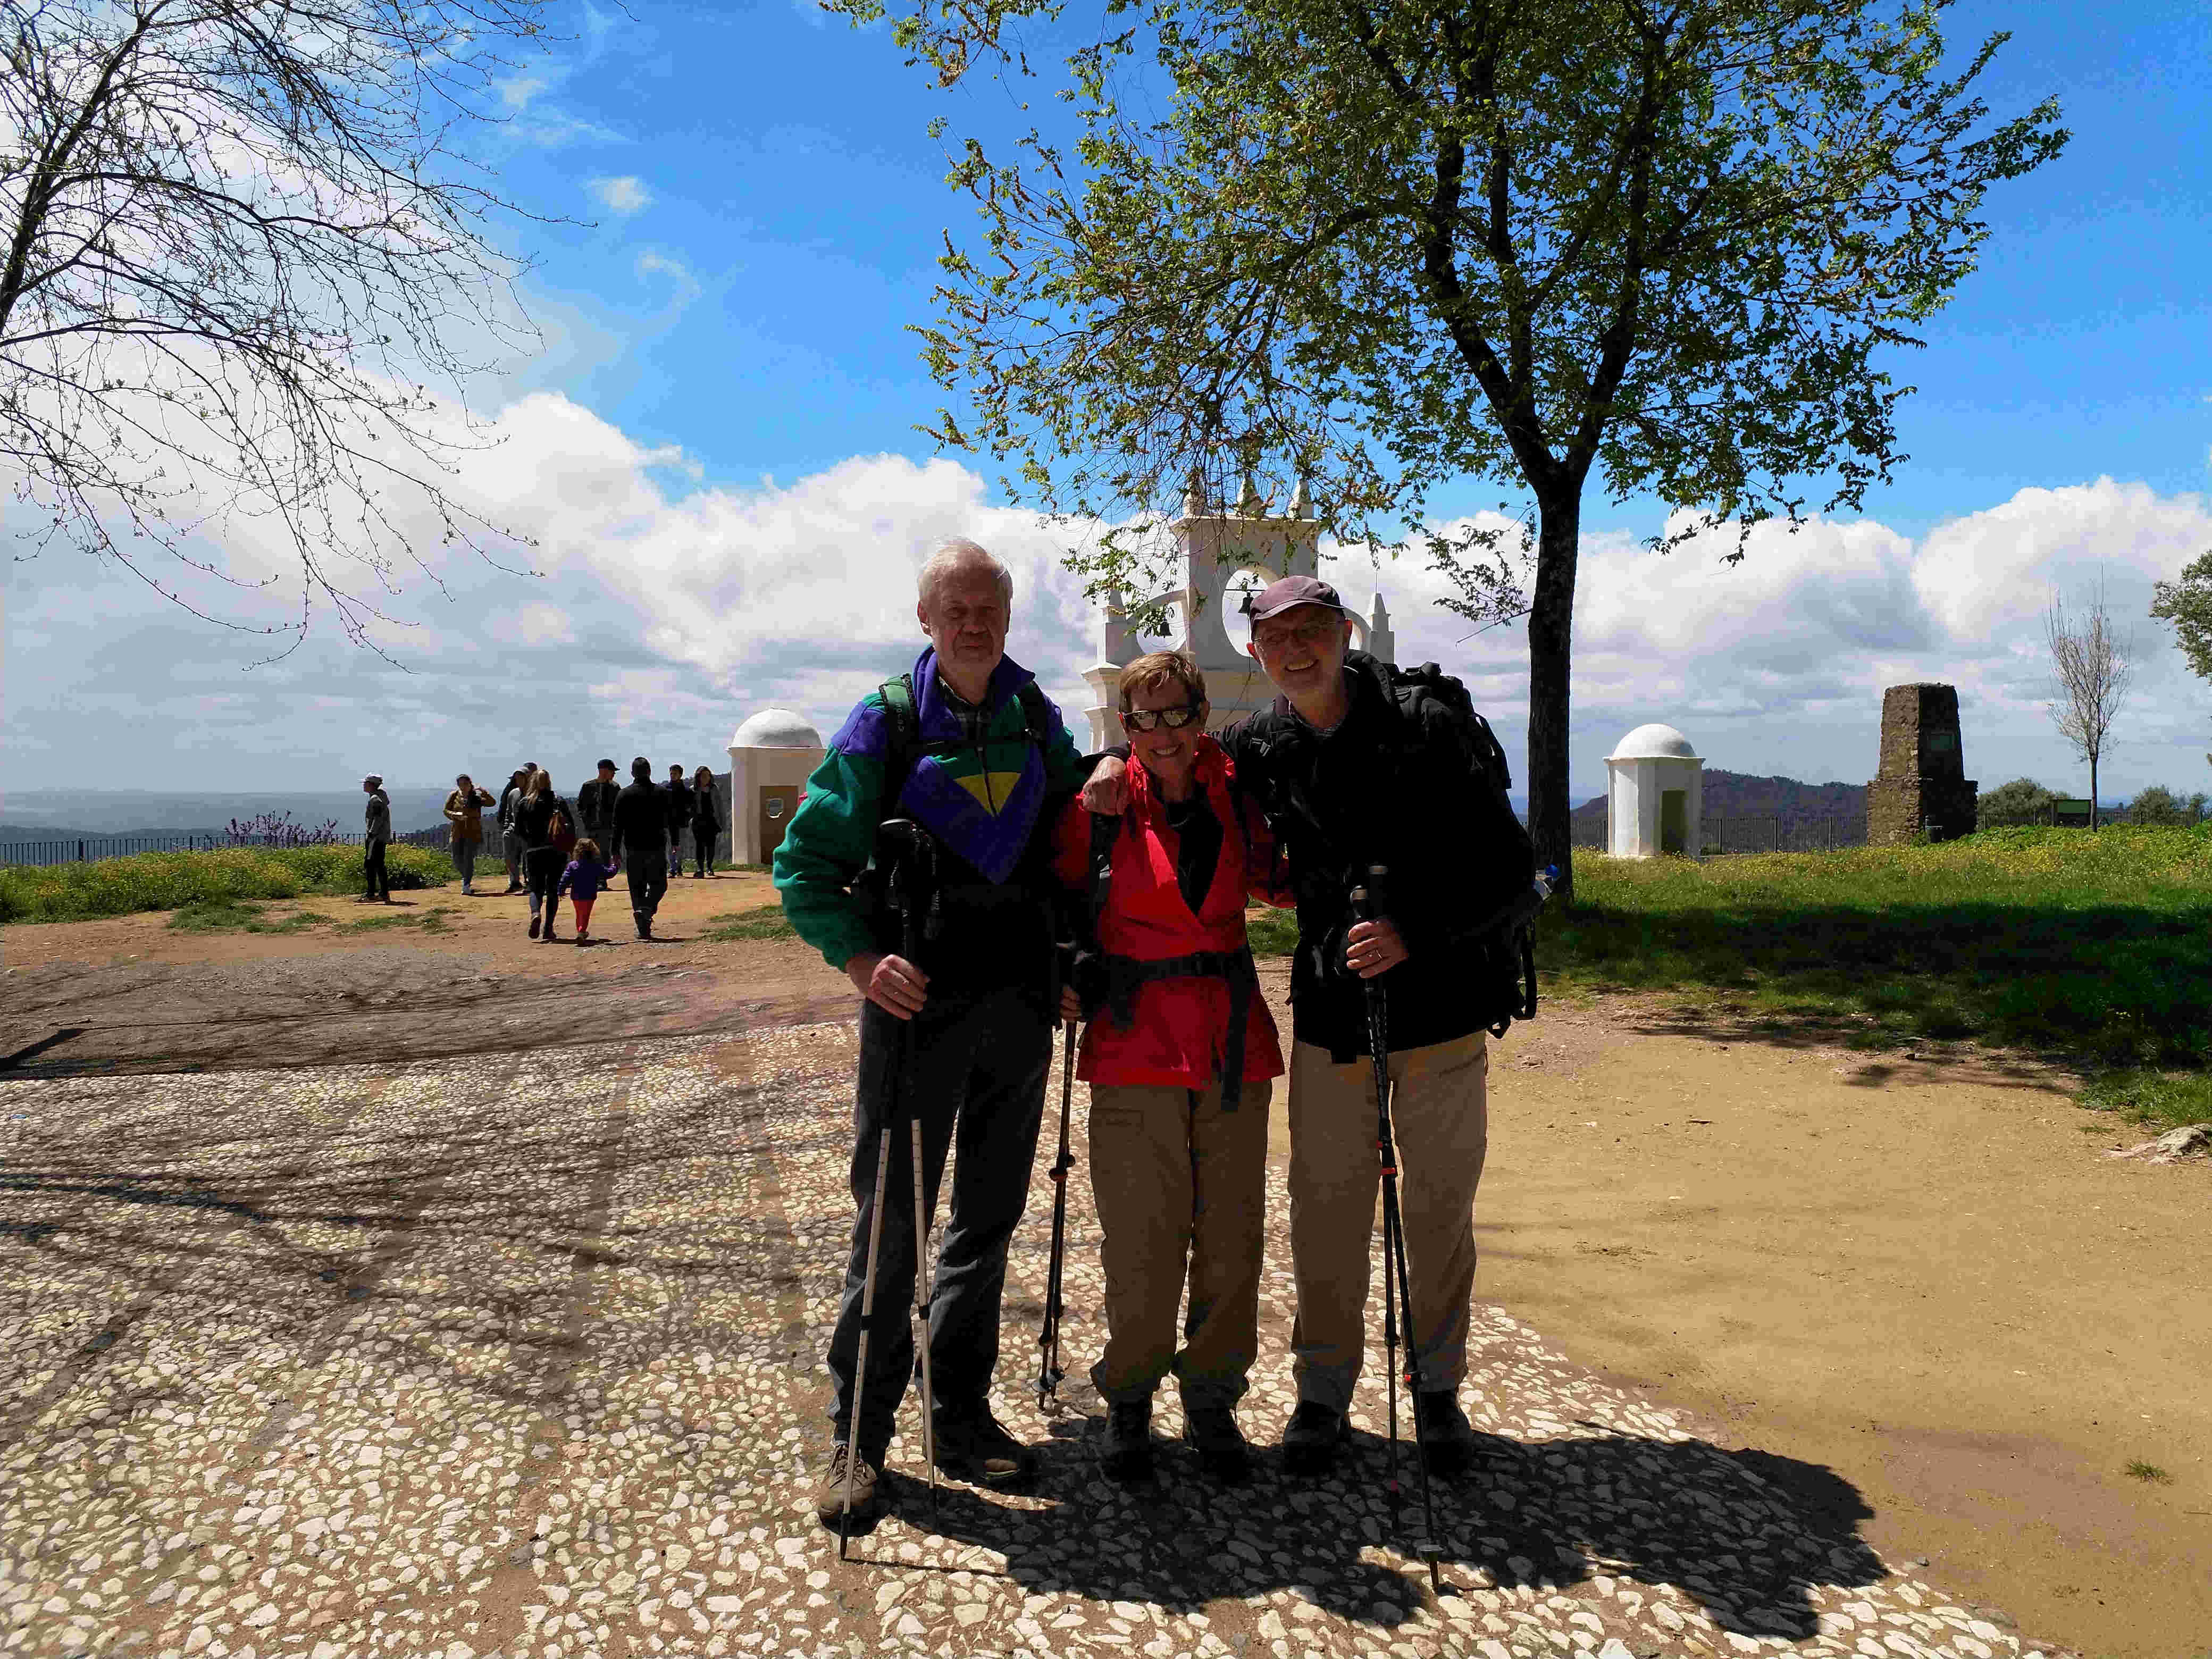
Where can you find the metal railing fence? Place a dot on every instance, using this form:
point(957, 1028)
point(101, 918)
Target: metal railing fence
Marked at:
point(1756, 832)
point(92, 849)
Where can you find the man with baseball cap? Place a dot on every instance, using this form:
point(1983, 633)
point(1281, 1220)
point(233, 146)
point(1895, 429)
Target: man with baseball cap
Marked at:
point(1356, 766)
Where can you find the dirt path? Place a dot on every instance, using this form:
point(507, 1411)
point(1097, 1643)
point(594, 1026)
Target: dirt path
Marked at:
point(1920, 1273)
point(1913, 1270)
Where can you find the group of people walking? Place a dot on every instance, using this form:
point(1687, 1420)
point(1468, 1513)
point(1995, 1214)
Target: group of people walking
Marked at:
point(1052, 887)
point(556, 847)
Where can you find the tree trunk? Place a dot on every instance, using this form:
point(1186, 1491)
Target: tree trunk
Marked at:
point(1551, 639)
point(2093, 791)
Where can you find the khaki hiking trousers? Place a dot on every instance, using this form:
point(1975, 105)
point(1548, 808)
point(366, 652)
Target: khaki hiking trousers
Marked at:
point(1440, 1109)
point(1182, 1190)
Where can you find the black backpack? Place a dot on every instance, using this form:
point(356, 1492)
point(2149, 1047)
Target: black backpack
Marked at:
point(1410, 686)
point(1508, 947)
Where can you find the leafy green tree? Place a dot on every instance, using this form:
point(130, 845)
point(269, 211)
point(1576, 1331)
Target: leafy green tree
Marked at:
point(2187, 603)
point(2161, 806)
point(2021, 801)
point(1383, 248)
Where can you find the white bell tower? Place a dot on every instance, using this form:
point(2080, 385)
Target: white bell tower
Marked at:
point(1216, 547)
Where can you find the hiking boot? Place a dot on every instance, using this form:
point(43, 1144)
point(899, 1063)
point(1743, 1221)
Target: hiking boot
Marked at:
point(1222, 1451)
point(830, 1488)
point(1127, 1454)
point(1450, 1442)
point(1310, 1438)
point(535, 924)
point(973, 1445)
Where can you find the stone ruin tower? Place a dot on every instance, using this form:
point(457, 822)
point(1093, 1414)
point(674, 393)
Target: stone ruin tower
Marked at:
point(1922, 783)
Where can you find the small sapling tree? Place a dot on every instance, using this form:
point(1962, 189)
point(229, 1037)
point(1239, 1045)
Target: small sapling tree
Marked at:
point(2092, 663)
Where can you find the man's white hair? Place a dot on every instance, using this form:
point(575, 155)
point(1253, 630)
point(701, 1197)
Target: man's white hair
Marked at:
point(956, 555)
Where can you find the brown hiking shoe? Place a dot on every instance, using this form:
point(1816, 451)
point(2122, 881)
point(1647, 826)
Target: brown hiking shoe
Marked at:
point(830, 1488)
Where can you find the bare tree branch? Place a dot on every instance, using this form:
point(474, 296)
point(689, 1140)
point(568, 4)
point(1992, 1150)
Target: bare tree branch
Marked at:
point(243, 242)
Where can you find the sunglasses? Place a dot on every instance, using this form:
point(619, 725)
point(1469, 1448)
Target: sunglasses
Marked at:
point(1150, 720)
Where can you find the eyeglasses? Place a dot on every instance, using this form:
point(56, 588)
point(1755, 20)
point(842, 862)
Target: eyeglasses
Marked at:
point(1310, 632)
point(1150, 720)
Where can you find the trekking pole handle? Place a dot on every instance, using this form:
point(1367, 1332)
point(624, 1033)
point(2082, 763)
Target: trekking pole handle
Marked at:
point(1362, 893)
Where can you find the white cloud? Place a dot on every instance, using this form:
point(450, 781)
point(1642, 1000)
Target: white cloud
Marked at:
point(683, 285)
point(625, 195)
point(669, 610)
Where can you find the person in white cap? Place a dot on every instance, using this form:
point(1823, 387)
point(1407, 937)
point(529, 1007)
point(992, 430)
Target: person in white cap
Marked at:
point(1355, 766)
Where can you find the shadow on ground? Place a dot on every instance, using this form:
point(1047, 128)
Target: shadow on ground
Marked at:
point(1747, 1534)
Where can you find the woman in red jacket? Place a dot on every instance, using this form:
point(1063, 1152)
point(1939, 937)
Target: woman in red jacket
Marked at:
point(1179, 1053)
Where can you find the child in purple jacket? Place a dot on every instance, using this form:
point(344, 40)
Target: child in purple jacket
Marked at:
point(586, 873)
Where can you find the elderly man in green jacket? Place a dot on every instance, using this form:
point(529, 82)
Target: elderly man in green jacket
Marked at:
point(968, 748)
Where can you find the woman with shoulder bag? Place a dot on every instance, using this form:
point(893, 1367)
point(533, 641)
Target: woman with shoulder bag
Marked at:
point(546, 826)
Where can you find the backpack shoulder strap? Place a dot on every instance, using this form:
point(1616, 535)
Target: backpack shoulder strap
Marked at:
point(1104, 831)
point(903, 733)
point(1036, 714)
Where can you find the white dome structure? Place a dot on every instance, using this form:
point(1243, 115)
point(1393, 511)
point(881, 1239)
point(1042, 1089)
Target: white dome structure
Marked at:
point(776, 728)
point(1653, 742)
point(771, 756)
point(1655, 795)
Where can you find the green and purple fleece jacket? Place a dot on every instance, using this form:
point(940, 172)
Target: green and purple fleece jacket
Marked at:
point(984, 799)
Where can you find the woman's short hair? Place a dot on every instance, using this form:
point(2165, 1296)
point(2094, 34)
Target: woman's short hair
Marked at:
point(958, 553)
point(1157, 669)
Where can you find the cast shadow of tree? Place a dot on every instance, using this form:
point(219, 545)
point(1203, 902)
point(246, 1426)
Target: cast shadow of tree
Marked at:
point(1747, 1534)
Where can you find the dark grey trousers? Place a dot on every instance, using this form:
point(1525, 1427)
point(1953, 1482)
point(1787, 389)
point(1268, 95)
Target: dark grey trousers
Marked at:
point(977, 1078)
point(649, 880)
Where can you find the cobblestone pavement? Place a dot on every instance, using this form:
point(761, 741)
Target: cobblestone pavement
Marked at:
point(523, 1356)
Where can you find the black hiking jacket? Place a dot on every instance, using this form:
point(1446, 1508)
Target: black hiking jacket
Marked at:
point(595, 805)
point(641, 819)
point(1401, 788)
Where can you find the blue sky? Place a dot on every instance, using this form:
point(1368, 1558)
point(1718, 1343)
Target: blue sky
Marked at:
point(726, 358)
point(808, 211)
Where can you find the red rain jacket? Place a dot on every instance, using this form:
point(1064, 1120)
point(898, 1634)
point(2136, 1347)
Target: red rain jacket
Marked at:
point(1175, 1037)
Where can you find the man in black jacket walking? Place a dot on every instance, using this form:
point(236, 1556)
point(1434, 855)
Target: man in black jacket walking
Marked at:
point(595, 806)
point(641, 836)
point(1351, 773)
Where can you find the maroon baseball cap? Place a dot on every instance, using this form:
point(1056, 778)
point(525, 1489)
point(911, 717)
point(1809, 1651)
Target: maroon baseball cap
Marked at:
point(1282, 595)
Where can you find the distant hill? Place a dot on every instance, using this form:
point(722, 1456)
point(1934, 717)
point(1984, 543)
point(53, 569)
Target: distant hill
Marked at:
point(1739, 794)
point(54, 814)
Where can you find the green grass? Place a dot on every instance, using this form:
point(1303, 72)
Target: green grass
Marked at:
point(2149, 1471)
point(234, 916)
point(432, 921)
point(2157, 1100)
point(177, 881)
point(762, 922)
point(1273, 933)
point(2094, 946)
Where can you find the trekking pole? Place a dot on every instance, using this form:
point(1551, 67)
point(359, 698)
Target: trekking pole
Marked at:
point(901, 900)
point(1397, 1282)
point(1049, 1371)
point(899, 894)
point(917, 848)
